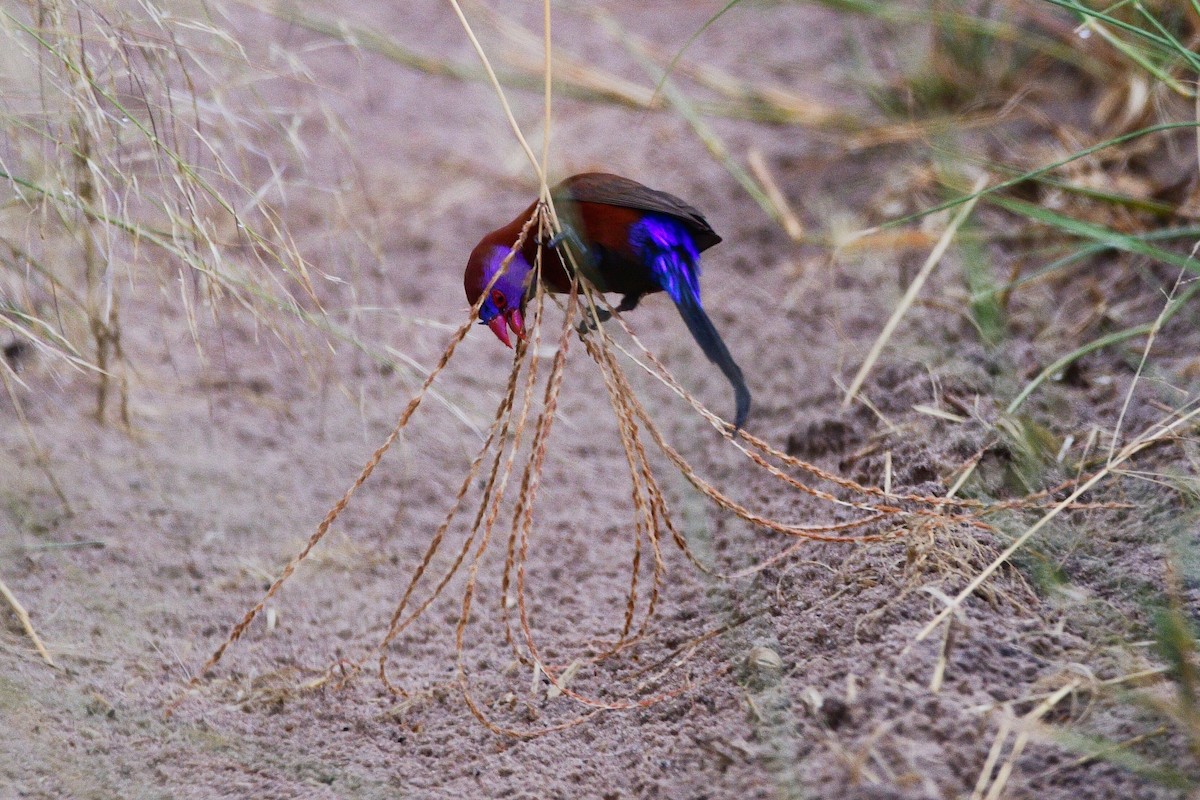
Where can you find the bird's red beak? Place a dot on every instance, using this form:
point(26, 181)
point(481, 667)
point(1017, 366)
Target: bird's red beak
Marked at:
point(517, 323)
point(502, 322)
point(499, 326)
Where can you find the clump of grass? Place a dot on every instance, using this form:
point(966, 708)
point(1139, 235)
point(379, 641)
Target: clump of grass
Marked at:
point(1078, 184)
point(119, 143)
point(1179, 648)
point(1161, 693)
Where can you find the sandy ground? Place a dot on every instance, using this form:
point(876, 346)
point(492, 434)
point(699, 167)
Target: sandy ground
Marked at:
point(235, 455)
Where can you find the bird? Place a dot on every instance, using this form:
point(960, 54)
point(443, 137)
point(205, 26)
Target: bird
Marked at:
point(629, 239)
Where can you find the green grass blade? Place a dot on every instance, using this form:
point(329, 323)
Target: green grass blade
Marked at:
point(1179, 47)
point(980, 278)
point(1099, 344)
point(1083, 253)
point(1087, 13)
point(1097, 747)
point(1040, 171)
point(1097, 233)
point(1135, 55)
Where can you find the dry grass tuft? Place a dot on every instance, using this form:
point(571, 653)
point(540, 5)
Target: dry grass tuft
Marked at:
point(129, 139)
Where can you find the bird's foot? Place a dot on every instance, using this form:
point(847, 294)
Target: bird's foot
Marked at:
point(590, 324)
point(628, 303)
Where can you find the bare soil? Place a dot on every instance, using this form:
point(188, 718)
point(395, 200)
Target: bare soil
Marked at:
point(240, 446)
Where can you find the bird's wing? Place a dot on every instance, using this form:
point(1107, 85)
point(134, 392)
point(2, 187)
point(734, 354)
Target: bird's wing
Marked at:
point(613, 190)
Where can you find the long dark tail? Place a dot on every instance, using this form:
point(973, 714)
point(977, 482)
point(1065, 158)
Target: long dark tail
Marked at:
point(666, 246)
point(714, 347)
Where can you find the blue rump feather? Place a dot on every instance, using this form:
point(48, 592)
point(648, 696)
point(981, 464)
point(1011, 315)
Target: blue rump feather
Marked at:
point(666, 247)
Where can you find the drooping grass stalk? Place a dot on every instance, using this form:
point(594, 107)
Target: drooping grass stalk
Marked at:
point(1040, 171)
point(1064, 361)
point(1162, 40)
point(1099, 234)
point(652, 520)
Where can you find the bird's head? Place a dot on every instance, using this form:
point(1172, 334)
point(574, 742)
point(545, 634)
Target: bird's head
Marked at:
point(501, 310)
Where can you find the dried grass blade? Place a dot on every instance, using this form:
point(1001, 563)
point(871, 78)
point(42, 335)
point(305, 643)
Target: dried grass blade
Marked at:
point(914, 289)
point(26, 623)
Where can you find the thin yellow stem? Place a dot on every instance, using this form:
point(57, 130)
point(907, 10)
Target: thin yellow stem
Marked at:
point(491, 73)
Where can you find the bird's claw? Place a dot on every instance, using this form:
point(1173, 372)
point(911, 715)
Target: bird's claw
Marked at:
point(590, 322)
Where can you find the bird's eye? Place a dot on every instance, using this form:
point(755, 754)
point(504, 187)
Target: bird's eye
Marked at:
point(499, 299)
